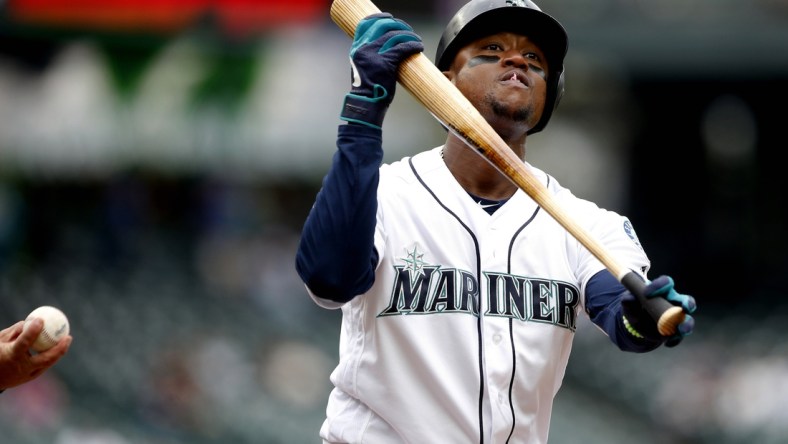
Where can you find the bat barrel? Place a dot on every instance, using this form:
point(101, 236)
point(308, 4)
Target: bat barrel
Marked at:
point(348, 13)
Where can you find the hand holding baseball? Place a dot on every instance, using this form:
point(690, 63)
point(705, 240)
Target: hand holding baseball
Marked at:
point(55, 327)
point(17, 364)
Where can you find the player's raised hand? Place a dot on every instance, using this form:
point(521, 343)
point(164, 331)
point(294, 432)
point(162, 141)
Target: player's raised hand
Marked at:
point(640, 324)
point(380, 44)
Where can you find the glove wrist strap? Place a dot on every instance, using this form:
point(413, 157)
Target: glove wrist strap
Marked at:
point(363, 110)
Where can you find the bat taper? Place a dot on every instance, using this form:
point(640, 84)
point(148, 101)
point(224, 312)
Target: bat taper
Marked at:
point(447, 104)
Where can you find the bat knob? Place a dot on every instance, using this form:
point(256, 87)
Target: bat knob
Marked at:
point(668, 323)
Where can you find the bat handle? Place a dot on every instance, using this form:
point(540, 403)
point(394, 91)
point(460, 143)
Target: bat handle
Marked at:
point(667, 315)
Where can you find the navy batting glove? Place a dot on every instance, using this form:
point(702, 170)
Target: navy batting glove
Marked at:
point(380, 44)
point(640, 324)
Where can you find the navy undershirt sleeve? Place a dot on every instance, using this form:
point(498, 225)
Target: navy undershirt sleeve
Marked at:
point(603, 304)
point(336, 256)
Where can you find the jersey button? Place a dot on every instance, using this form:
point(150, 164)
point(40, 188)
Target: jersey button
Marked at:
point(497, 339)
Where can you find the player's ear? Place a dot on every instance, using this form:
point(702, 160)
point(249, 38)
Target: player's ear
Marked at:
point(449, 75)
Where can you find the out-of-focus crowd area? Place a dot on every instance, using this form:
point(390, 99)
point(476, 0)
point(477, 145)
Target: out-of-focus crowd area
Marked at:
point(157, 160)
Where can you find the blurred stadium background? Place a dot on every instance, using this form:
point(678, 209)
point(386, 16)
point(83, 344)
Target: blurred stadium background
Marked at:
point(157, 160)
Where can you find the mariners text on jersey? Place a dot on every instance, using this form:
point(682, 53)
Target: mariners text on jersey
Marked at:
point(424, 289)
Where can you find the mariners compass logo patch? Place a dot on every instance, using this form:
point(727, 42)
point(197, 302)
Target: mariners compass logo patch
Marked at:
point(414, 262)
point(631, 233)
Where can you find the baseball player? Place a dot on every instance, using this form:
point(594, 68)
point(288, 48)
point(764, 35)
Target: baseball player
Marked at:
point(459, 295)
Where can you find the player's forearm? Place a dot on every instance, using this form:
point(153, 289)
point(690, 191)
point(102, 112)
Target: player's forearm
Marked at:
point(336, 257)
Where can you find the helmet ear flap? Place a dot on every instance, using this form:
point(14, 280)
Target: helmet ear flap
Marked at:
point(559, 90)
point(555, 91)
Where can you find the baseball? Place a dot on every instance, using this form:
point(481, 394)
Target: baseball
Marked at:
point(55, 327)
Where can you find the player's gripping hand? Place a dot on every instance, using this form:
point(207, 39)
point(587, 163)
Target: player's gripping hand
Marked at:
point(640, 324)
point(380, 44)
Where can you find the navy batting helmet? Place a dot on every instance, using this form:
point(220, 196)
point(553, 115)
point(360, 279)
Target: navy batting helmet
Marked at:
point(480, 18)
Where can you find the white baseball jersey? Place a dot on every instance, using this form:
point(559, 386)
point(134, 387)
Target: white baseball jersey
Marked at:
point(466, 333)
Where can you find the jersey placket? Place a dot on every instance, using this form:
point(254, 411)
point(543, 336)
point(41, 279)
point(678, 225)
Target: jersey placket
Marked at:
point(495, 333)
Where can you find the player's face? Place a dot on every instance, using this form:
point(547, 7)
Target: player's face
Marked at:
point(505, 76)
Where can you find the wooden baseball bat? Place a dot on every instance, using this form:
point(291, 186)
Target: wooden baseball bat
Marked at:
point(447, 104)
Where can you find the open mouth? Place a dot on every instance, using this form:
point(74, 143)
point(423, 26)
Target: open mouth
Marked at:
point(515, 77)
